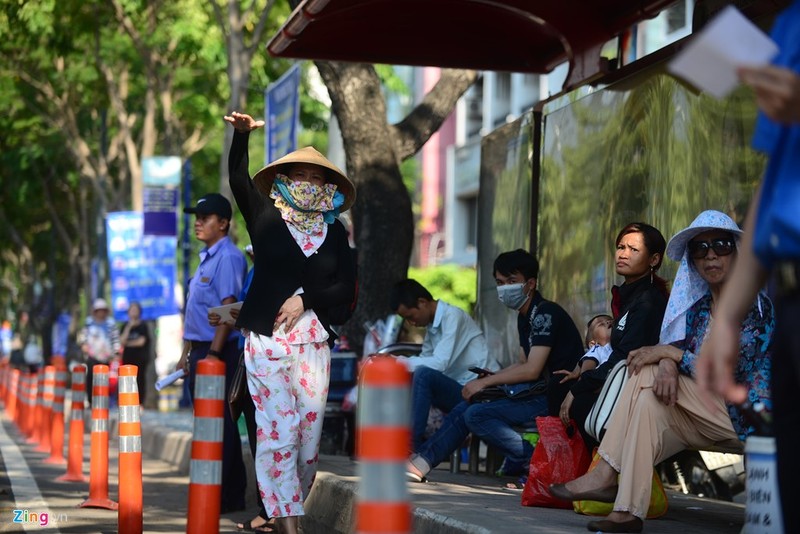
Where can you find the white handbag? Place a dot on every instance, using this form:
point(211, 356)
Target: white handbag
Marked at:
point(598, 417)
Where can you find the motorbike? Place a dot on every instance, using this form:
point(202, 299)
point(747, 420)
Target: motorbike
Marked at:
point(711, 475)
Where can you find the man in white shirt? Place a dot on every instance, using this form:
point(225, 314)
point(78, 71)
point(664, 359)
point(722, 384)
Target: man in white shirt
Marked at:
point(453, 344)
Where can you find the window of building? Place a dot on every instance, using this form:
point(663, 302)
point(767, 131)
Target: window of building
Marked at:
point(676, 17)
point(502, 97)
point(471, 205)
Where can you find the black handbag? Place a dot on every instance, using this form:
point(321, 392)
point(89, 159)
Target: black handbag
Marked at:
point(511, 391)
point(514, 391)
point(238, 394)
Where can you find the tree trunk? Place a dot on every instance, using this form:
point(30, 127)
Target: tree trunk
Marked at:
point(382, 216)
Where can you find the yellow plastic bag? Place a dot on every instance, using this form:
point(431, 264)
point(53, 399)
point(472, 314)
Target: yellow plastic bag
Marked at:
point(658, 499)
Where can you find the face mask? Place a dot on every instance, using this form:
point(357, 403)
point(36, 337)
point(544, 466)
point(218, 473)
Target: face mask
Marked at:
point(512, 295)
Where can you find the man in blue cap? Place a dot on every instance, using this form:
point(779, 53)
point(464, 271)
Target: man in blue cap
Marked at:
point(218, 280)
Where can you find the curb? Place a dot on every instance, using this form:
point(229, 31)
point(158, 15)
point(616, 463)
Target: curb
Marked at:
point(330, 508)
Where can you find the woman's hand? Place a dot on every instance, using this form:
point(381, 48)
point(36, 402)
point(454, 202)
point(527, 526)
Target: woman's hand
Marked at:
point(563, 413)
point(568, 375)
point(640, 357)
point(472, 387)
point(243, 122)
point(290, 312)
point(665, 388)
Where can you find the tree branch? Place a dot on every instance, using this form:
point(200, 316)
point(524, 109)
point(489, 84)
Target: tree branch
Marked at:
point(417, 127)
point(220, 16)
point(259, 30)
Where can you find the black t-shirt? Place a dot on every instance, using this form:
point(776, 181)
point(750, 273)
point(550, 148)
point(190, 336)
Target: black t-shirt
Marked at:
point(551, 326)
point(641, 311)
point(137, 355)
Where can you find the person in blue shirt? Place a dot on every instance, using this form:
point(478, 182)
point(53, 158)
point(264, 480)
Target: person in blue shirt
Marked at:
point(452, 345)
point(218, 280)
point(771, 243)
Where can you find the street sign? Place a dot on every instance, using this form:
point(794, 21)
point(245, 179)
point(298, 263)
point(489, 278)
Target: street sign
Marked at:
point(142, 267)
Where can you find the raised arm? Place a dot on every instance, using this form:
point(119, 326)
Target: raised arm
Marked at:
point(248, 198)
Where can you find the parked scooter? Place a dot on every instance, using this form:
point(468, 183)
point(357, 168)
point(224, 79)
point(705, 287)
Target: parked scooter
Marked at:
point(712, 475)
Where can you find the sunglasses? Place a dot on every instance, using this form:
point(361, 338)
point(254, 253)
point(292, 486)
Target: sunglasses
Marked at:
point(721, 247)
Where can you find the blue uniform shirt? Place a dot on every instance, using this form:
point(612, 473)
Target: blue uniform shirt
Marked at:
point(781, 142)
point(220, 275)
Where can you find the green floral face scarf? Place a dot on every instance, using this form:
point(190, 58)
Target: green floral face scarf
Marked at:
point(305, 205)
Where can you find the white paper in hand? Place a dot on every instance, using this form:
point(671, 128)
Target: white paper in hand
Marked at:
point(727, 42)
point(224, 312)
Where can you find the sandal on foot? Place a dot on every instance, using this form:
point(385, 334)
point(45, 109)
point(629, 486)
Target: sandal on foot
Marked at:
point(248, 526)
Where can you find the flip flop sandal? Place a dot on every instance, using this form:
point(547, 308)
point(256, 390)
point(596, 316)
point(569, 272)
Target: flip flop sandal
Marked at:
point(248, 526)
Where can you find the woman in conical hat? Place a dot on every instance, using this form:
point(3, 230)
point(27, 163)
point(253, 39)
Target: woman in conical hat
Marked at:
point(303, 270)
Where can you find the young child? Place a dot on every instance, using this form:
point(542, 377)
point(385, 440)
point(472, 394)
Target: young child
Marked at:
point(598, 343)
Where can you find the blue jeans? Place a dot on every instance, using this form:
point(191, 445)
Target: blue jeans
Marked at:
point(430, 388)
point(493, 422)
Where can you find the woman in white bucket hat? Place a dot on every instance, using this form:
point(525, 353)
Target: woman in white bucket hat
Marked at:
point(660, 411)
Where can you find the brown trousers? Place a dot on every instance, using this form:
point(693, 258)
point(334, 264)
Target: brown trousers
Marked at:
point(643, 432)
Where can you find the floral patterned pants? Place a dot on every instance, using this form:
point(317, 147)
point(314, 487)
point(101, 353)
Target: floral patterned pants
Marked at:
point(287, 375)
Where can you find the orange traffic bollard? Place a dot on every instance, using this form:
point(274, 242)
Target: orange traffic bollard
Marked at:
point(38, 409)
point(5, 375)
point(22, 399)
point(205, 469)
point(12, 404)
point(384, 438)
point(129, 520)
point(75, 455)
point(57, 428)
point(45, 423)
point(98, 465)
point(29, 417)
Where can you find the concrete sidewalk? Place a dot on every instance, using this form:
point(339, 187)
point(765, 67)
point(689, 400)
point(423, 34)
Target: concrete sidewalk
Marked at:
point(448, 504)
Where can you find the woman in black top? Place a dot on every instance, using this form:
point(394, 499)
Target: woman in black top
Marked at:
point(637, 307)
point(135, 341)
point(302, 271)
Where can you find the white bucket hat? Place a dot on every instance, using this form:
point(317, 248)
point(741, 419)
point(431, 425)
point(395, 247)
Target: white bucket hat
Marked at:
point(706, 221)
point(688, 286)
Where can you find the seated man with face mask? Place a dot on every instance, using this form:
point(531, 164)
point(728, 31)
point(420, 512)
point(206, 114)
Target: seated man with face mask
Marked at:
point(549, 341)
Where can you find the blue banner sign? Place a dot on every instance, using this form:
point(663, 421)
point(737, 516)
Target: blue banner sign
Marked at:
point(161, 171)
point(283, 110)
point(61, 334)
point(160, 211)
point(142, 267)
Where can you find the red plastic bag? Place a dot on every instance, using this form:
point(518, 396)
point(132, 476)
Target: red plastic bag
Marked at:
point(560, 456)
